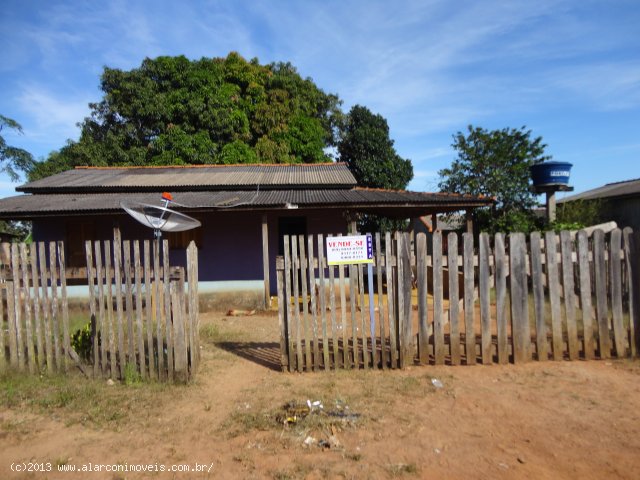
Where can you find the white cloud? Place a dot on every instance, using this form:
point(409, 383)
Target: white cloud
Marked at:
point(606, 86)
point(53, 118)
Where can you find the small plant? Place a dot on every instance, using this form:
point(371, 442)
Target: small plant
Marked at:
point(131, 374)
point(82, 343)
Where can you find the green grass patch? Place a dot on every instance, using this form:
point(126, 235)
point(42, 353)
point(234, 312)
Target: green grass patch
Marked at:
point(88, 402)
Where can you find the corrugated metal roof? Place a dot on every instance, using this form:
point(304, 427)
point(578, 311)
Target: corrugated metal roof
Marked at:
point(194, 177)
point(23, 206)
point(610, 190)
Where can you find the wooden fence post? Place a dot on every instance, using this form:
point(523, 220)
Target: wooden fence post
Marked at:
point(282, 321)
point(632, 256)
point(35, 275)
point(308, 361)
point(113, 365)
point(296, 305)
point(454, 297)
point(46, 307)
point(323, 304)
point(194, 305)
point(128, 298)
point(381, 313)
point(485, 301)
point(438, 300)
point(178, 334)
point(167, 309)
point(54, 305)
point(585, 294)
point(117, 263)
point(18, 356)
point(137, 275)
point(615, 285)
point(28, 326)
point(158, 288)
point(392, 295)
point(149, 283)
point(313, 303)
point(337, 359)
point(102, 322)
point(566, 246)
point(92, 305)
point(554, 295)
point(501, 298)
point(11, 320)
point(404, 301)
point(469, 314)
point(353, 295)
point(290, 323)
point(68, 351)
point(3, 286)
point(423, 321)
point(601, 294)
point(519, 298)
point(542, 351)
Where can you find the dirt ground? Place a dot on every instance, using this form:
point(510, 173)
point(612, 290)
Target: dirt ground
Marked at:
point(539, 420)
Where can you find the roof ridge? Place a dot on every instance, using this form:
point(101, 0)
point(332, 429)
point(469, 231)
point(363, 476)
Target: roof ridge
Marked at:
point(152, 167)
point(621, 181)
point(445, 194)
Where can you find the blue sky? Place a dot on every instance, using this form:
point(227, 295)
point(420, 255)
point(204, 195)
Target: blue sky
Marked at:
point(567, 70)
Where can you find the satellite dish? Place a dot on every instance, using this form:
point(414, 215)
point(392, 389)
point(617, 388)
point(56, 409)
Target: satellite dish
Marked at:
point(160, 218)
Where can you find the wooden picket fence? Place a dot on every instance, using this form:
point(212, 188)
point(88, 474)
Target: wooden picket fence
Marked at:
point(508, 298)
point(142, 313)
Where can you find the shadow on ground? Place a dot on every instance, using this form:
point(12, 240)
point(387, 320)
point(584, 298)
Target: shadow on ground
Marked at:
point(266, 354)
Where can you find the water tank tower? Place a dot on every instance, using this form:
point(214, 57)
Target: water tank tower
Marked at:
point(549, 178)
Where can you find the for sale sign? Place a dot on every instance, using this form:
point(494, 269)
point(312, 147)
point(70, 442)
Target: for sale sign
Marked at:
point(349, 249)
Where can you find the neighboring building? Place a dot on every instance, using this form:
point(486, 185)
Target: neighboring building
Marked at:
point(621, 202)
point(245, 210)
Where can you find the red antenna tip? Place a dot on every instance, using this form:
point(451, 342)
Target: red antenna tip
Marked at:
point(167, 196)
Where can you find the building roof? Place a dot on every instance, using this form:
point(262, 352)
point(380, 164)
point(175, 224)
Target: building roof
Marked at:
point(628, 188)
point(194, 177)
point(86, 190)
point(391, 202)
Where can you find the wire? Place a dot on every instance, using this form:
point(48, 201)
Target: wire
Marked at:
point(248, 202)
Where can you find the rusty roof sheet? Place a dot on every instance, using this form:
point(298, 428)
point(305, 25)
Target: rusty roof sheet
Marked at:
point(24, 206)
point(194, 177)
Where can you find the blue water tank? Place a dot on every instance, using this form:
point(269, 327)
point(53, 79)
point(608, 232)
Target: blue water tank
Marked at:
point(550, 173)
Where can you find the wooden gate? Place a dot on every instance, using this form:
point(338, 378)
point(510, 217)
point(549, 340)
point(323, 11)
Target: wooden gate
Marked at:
point(141, 314)
point(449, 300)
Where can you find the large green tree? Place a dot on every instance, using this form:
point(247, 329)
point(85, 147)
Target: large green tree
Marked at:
point(172, 110)
point(13, 159)
point(368, 150)
point(496, 163)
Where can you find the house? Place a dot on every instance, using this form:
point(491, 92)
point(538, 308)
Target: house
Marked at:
point(245, 211)
point(620, 202)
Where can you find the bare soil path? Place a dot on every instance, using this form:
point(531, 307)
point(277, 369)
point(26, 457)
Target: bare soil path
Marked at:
point(539, 420)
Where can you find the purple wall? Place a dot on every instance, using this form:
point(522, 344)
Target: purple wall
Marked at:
point(231, 246)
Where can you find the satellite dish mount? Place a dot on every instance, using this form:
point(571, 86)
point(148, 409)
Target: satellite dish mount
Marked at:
point(160, 217)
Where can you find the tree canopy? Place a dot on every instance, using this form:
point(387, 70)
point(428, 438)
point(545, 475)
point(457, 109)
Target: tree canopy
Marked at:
point(368, 150)
point(13, 159)
point(172, 111)
point(496, 163)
